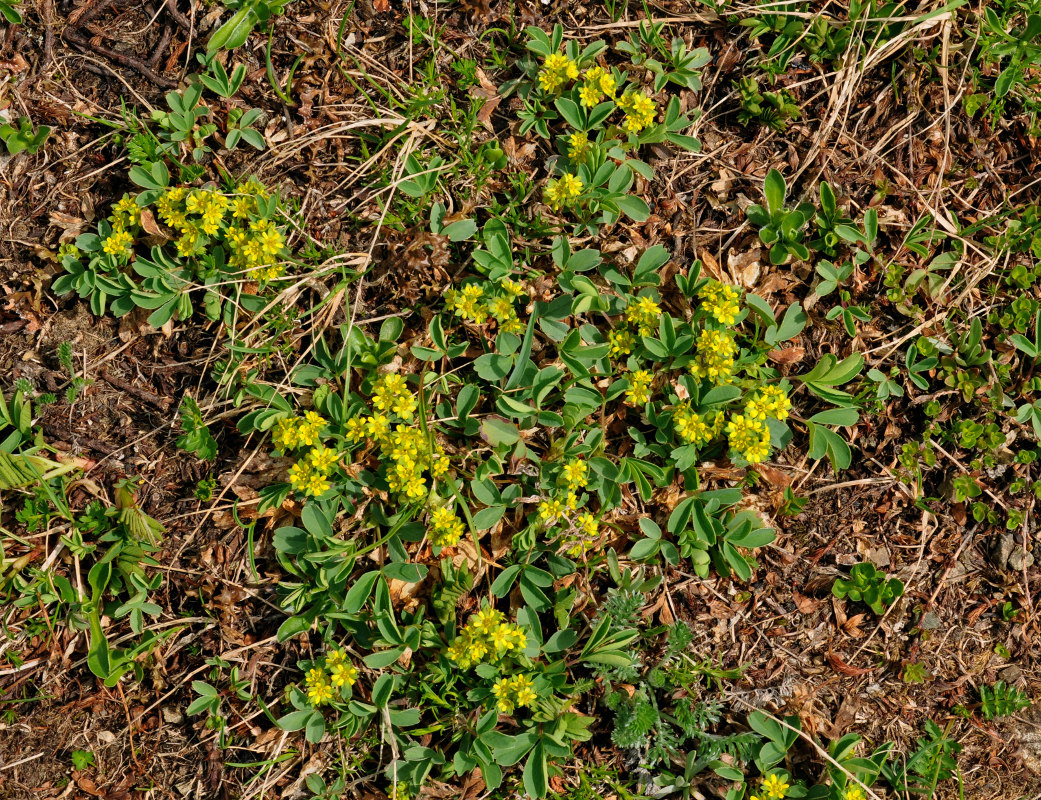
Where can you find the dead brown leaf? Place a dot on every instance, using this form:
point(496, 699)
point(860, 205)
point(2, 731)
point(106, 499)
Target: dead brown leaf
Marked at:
point(843, 668)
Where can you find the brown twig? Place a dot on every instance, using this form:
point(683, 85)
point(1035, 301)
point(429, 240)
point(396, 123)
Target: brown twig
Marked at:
point(150, 397)
point(47, 9)
point(177, 16)
point(164, 43)
point(84, 14)
point(129, 61)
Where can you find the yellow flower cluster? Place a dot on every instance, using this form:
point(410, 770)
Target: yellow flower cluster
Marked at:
point(774, 787)
point(406, 452)
point(409, 455)
point(513, 693)
point(291, 433)
point(310, 474)
point(853, 792)
point(769, 401)
point(597, 84)
point(639, 391)
point(622, 342)
point(644, 313)
point(391, 395)
point(337, 673)
point(118, 243)
point(446, 529)
point(578, 146)
point(476, 303)
point(583, 535)
point(563, 192)
point(194, 213)
point(125, 213)
point(556, 71)
point(714, 359)
point(749, 437)
point(639, 111)
point(553, 508)
point(720, 301)
point(694, 428)
point(486, 638)
point(574, 475)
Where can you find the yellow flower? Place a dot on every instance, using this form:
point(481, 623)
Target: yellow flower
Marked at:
point(446, 529)
point(118, 243)
point(575, 474)
point(550, 509)
point(187, 243)
point(513, 289)
point(467, 303)
point(486, 620)
point(720, 301)
point(334, 657)
point(853, 792)
point(639, 391)
point(563, 192)
point(284, 435)
point(622, 342)
point(578, 146)
point(693, 428)
point(639, 111)
point(644, 314)
point(319, 690)
point(749, 437)
point(501, 691)
point(521, 688)
point(125, 212)
point(714, 360)
point(343, 674)
point(774, 786)
point(592, 90)
point(323, 459)
point(556, 71)
point(305, 478)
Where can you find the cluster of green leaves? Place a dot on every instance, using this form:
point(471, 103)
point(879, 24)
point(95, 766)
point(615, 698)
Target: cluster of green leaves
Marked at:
point(22, 137)
point(115, 541)
point(184, 134)
point(1010, 40)
point(772, 109)
point(514, 425)
point(790, 29)
point(607, 163)
point(248, 15)
point(866, 584)
point(186, 266)
point(196, 437)
point(1002, 700)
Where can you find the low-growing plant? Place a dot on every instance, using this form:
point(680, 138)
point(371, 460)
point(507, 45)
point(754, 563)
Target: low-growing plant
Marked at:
point(21, 137)
point(866, 584)
point(780, 228)
point(1002, 700)
point(213, 243)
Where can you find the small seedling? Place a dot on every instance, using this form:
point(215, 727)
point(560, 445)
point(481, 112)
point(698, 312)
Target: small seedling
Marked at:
point(866, 584)
point(23, 137)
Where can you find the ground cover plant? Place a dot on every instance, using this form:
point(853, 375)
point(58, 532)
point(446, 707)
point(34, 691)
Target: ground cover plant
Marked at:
point(500, 399)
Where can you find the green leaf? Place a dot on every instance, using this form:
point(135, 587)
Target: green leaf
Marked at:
point(460, 230)
point(634, 207)
point(234, 32)
point(571, 112)
point(774, 189)
point(496, 431)
point(536, 781)
point(381, 690)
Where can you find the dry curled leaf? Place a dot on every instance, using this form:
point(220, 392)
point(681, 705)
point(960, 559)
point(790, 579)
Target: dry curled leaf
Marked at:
point(843, 668)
